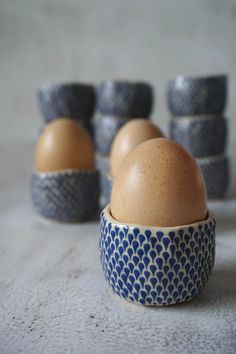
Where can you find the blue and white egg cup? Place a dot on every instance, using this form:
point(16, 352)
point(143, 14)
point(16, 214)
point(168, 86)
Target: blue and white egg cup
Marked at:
point(156, 266)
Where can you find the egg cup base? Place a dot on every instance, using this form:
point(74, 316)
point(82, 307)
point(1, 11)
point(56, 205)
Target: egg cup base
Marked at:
point(156, 266)
point(66, 196)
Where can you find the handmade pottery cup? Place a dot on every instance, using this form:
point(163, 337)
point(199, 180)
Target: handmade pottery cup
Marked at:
point(216, 171)
point(156, 266)
point(200, 135)
point(72, 100)
point(125, 98)
point(197, 95)
point(67, 196)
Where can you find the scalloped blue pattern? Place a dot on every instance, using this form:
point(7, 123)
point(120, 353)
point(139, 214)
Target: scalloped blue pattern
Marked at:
point(157, 268)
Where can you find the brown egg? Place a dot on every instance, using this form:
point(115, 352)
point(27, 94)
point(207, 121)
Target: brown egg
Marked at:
point(129, 136)
point(64, 145)
point(159, 184)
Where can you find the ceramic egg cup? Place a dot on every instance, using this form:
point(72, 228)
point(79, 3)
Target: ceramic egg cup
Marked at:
point(125, 98)
point(73, 100)
point(67, 196)
point(200, 135)
point(216, 171)
point(105, 187)
point(105, 129)
point(197, 95)
point(103, 166)
point(102, 163)
point(156, 266)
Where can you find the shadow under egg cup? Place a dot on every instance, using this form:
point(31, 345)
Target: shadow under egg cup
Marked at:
point(66, 196)
point(156, 266)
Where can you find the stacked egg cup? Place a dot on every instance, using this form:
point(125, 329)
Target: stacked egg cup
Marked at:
point(197, 106)
point(117, 103)
point(67, 100)
point(65, 183)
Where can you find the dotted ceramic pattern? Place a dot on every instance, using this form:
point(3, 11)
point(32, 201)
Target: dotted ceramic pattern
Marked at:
point(66, 196)
point(156, 266)
point(200, 135)
point(188, 96)
point(124, 98)
point(216, 171)
point(76, 101)
point(105, 130)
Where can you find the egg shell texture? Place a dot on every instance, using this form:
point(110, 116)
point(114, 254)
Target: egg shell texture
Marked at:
point(159, 184)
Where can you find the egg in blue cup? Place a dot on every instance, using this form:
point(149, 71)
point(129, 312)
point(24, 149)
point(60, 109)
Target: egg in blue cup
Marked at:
point(65, 183)
point(157, 237)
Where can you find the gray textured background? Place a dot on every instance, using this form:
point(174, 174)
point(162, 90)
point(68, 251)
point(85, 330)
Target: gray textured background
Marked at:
point(94, 40)
point(89, 40)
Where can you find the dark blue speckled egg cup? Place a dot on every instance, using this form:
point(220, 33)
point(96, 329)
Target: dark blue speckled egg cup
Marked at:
point(216, 171)
point(200, 135)
point(125, 98)
point(67, 196)
point(156, 266)
point(72, 100)
point(197, 95)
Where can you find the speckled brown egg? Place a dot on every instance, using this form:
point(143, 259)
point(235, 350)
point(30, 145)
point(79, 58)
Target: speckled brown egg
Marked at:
point(129, 136)
point(159, 184)
point(64, 145)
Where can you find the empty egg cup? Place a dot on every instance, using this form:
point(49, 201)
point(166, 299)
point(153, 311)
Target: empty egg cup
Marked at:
point(197, 95)
point(216, 172)
point(72, 100)
point(200, 135)
point(66, 196)
point(156, 266)
point(125, 98)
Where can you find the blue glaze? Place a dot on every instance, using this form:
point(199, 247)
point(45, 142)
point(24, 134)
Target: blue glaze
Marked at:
point(156, 273)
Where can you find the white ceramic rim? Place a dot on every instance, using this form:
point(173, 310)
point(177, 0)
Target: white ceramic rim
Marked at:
point(110, 219)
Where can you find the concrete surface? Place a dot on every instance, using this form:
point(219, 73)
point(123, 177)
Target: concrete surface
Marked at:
point(53, 297)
